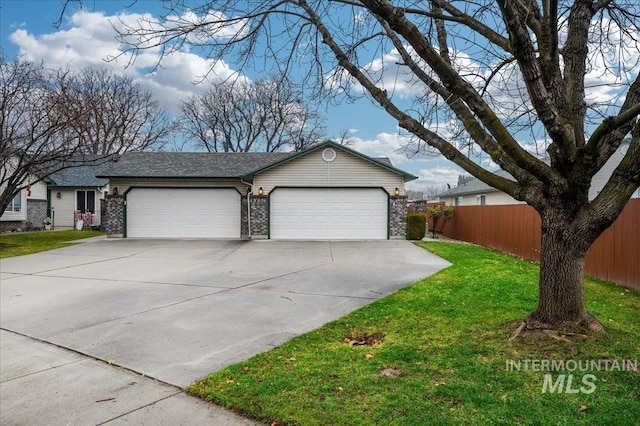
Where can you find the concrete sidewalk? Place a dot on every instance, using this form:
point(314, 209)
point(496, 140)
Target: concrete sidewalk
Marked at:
point(42, 384)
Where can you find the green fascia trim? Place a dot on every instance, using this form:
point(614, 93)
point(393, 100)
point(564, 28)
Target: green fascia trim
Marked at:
point(407, 176)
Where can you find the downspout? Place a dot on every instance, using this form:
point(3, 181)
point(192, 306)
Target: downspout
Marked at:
point(248, 206)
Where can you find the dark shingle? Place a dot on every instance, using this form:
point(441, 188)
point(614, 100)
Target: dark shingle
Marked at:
point(191, 164)
point(81, 176)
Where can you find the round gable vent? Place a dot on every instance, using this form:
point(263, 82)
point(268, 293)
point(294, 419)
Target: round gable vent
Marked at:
point(328, 155)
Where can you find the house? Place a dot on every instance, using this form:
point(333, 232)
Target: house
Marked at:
point(476, 192)
point(27, 210)
point(64, 196)
point(325, 192)
point(75, 193)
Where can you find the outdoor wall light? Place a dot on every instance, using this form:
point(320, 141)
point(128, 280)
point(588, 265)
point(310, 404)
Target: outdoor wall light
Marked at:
point(397, 191)
point(58, 195)
point(260, 191)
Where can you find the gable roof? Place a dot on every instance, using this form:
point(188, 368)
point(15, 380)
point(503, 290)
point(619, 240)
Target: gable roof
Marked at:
point(382, 162)
point(191, 164)
point(217, 165)
point(474, 186)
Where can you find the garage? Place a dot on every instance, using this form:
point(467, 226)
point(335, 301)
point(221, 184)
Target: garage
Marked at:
point(328, 213)
point(183, 213)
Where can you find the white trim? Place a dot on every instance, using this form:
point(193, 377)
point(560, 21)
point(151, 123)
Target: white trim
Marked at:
point(329, 154)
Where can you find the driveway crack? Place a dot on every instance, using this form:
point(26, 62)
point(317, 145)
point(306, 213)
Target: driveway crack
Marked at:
point(139, 408)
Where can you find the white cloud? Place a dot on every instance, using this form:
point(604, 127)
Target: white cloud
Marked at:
point(399, 148)
point(389, 73)
point(435, 177)
point(89, 39)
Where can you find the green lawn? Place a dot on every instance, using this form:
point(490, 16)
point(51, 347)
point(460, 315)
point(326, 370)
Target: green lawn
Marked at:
point(22, 243)
point(438, 354)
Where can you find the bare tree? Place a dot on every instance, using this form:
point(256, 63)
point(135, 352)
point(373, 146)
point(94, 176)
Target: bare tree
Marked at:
point(242, 116)
point(54, 119)
point(492, 77)
point(34, 126)
point(345, 137)
point(118, 113)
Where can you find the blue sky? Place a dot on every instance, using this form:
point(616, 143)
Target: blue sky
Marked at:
point(85, 38)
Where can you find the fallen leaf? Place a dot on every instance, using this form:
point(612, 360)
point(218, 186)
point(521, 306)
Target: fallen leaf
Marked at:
point(293, 358)
point(368, 356)
point(583, 408)
point(110, 361)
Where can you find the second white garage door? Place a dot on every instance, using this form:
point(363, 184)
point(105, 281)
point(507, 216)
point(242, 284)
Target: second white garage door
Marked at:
point(183, 213)
point(328, 213)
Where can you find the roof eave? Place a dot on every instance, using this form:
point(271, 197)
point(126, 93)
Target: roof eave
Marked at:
point(166, 177)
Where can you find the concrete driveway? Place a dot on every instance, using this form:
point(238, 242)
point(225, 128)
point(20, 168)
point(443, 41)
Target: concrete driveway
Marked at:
point(176, 310)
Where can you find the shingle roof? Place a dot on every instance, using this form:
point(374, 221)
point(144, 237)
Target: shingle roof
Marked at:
point(191, 164)
point(474, 186)
point(213, 164)
point(80, 176)
point(384, 160)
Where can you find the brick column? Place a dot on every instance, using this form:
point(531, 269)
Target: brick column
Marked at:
point(114, 216)
point(259, 216)
point(398, 217)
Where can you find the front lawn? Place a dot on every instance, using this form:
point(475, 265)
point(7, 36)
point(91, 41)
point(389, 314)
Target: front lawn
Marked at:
point(22, 243)
point(437, 352)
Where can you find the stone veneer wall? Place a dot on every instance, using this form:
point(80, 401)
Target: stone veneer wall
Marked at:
point(36, 212)
point(398, 217)
point(113, 215)
point(12, 225)
point(259, 216)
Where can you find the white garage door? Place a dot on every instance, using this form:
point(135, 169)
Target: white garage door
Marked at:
point(183, 213)
point(331, 214)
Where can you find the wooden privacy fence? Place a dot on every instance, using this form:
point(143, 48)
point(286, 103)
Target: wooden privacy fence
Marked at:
point(515, 229)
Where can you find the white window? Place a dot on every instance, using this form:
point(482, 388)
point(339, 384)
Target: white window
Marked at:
point(16, 204)
point(481, 199)
point(458, 201)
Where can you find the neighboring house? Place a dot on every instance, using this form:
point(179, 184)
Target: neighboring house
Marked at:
point(476, 192)
point(75, 193)
point(326, 192)
point(27, 210)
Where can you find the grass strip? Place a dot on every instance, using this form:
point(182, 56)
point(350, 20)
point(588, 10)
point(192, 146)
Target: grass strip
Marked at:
point(436, 352)
point(22, 243)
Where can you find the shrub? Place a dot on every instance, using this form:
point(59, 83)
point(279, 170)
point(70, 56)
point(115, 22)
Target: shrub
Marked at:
point(416, 226)
point(439, 215)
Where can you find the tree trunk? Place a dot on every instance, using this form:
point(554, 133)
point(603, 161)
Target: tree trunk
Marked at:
point(561, 304)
